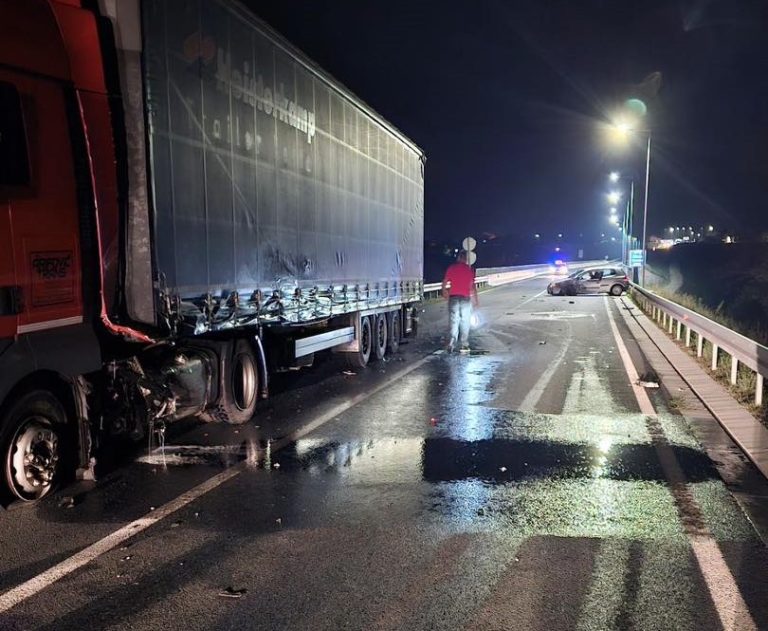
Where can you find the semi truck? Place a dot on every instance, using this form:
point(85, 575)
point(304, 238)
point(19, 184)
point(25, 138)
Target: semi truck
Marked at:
point(187, 204)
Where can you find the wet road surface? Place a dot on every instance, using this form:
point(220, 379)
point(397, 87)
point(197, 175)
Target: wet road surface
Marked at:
point(523, 486)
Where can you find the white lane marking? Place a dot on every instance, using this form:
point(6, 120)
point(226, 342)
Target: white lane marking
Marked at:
point(531, 399)
point(26, 590)
point(517, 306)
point(733, 612)
point(646, 407)
point(16, 595)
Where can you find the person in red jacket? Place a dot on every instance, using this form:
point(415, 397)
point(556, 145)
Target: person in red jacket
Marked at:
point(460, 291)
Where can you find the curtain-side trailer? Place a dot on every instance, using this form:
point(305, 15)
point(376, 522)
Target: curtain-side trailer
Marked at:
point(186, 203)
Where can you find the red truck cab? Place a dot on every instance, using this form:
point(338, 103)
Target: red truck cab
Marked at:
point(57, 238)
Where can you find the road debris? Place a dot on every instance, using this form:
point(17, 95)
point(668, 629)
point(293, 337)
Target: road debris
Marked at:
point(127, 557)
point(67, 502)
point(349, 373)
point(647, 384)
point(231, 592)
point(542, 342)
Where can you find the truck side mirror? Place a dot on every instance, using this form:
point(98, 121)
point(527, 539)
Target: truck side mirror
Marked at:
point(14, 157)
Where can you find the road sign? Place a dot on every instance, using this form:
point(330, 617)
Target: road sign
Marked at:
point(636, 258)
point(471, 257)
point(468, 244)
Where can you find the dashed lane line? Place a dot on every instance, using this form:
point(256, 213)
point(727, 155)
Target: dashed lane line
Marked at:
point(26, 590)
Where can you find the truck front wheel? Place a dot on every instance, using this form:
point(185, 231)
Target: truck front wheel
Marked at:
point(239, 386)
point(33, 439)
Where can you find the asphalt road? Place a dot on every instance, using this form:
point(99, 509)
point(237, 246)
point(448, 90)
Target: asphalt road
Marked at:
point(525, 486)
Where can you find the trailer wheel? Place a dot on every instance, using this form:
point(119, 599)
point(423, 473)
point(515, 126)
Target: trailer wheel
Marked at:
point(380, 336)
point(33, 443)
point(239, 386)
point(395, 331)
point(359, 358)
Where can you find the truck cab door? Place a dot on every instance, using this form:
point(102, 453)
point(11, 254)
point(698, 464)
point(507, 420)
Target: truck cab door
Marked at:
point(39, 227)
point(9, 291)
point(11, 175)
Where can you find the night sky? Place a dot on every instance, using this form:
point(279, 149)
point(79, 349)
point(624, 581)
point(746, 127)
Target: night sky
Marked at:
point(507, 98)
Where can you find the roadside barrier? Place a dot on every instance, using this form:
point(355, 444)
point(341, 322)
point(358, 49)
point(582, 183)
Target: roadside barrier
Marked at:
point(683, 323)
point(494, 276)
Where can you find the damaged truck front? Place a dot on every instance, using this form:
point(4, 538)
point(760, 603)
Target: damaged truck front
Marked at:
point(186, 204)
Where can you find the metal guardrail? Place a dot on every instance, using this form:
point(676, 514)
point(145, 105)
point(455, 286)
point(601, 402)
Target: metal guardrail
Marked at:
point(494, 276)
point(683, 322)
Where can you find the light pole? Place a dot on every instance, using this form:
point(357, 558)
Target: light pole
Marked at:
point(645, 204)
point(627, 222)
point(624, 128)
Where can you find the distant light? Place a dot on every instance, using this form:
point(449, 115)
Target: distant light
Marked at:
point(602, 234)
point(537, 236)
point(671, 229)
point(614, 220)
point(614, 177)
point(729, 239)
point(557, 249)
point(559, 235)
point(710, 228)
point(613, 210)
point(613, 238)
point(678, 228)
point(690, 228)
point(614, 197)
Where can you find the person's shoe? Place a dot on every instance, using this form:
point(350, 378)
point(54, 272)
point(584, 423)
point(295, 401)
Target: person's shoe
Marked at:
point(464, 350)
point(449, 348)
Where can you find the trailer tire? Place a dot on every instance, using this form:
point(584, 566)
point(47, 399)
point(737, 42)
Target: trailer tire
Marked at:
point(35, 445)
point(414, 323)
point(395, 331)
point(239, 386)
point(380, 335)
point(359, 359)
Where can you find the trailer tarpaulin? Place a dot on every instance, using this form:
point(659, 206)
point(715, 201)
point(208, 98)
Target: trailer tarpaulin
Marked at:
point(266, 174)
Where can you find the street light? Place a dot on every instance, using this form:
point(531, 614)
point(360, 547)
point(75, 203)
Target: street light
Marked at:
point(624, 128)
point(614, 177)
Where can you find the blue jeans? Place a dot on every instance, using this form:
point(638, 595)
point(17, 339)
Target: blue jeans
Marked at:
point(460, 310)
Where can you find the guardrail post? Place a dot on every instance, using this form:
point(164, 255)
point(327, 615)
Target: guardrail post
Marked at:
point(687, 337)
point(670, 324)
point(699, 345)
point(714, 356)
point(679, 330)
point(759, 390)
point(734, 370)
